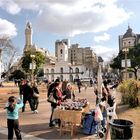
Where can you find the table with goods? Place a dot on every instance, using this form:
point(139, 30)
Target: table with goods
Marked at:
point(71, 112)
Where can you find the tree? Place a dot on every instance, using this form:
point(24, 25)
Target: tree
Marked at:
point(38, 60)
point(18, 74)
point(8, 52)
point(116, 64)
point(40, 72)
point(133, 55)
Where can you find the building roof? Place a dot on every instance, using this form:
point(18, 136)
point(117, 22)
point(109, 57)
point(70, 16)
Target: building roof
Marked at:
point(129, 33)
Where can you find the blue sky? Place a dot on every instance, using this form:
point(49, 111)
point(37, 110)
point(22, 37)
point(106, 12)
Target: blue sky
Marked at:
point(90, 23)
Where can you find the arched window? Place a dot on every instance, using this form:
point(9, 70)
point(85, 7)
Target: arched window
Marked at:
point(52, 70)
point(47, 70)
point(61, 51)
point(71, 78)
point(76, 70)
point(61, 70)
point(70, 70)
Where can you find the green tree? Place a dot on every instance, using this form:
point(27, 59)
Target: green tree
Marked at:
point(18, 74)
point(38, 60)
point(40, 72)
point(116, 64)
point(133, 55)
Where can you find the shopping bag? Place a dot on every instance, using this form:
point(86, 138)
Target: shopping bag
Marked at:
point(51, 99)
point(98, 114)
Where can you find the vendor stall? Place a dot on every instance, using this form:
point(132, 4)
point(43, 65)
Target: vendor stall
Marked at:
point(70, 114)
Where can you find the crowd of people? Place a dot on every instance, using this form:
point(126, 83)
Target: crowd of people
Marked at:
point(60, 91)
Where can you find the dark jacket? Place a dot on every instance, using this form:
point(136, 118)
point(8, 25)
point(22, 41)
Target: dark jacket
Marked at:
point(26, 89)
point(50, 88)
point(68, 93)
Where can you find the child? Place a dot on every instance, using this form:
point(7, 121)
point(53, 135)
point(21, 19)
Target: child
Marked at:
point(12, 108)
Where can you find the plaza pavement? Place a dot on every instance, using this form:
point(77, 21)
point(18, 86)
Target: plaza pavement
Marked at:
point(35, 126)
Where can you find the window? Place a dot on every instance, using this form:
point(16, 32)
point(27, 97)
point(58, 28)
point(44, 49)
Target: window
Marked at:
point(47, 70)
point(52, 70)
point(61, 70)
point(76, 70)
point(71, 78)
point(70, 70)
point(61, 51)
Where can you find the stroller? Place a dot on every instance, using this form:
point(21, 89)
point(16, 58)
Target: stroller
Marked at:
point(92, 125)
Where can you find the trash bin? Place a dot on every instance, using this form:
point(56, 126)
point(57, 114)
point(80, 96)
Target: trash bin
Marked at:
point(121, 129)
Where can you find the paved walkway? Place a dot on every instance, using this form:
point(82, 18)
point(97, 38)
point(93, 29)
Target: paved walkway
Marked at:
point(35, 126)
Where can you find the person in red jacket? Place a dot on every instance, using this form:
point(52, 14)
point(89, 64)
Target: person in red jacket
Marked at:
point(58, 96)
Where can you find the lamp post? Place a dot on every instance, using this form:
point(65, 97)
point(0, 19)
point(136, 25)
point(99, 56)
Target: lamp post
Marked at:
point(125, 50)
point(32, 67)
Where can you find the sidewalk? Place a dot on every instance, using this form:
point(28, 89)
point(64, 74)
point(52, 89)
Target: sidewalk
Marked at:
point(35, 126)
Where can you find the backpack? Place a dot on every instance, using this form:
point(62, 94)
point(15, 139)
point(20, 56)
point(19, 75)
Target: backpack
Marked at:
point(89, 124)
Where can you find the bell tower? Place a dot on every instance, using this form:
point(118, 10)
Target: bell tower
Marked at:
point(28, 37)
point(62, 51)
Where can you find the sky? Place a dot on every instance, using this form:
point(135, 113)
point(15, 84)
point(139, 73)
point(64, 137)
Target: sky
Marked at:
point(90, 23)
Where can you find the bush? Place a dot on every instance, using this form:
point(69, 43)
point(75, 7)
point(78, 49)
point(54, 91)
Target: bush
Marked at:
point(130, 92)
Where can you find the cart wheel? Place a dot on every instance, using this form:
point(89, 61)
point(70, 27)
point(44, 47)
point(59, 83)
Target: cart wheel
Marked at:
point(101, 135)
point(104, 130)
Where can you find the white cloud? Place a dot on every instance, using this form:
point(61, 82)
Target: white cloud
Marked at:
point(81, 16)
point(7, 28)
point(10, 6)
point(104, 37)
point(105, 52)
point(71, 17)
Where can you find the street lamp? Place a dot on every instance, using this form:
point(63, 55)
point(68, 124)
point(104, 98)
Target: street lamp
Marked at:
point(32, 67)
point(125, 50)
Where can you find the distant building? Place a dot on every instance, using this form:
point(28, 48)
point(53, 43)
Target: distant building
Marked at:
point(129, 40)
point(71, 62)
point(29, 46)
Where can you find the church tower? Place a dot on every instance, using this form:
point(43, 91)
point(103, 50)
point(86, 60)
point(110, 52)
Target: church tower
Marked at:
point(62, 51)
point(28, 37)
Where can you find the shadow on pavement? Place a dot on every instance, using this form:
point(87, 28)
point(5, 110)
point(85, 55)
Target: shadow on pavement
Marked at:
point(45, 132)
point(122, 108)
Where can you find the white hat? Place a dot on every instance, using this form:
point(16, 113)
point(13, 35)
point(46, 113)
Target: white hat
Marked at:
point(68, 84)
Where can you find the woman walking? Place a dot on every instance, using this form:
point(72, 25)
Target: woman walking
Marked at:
point(57, 94)
point(35, 97)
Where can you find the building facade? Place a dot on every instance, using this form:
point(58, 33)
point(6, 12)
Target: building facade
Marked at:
point(127, 41)
point(71, 62)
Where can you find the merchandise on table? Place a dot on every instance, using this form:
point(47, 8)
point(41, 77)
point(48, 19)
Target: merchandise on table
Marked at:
point(78, 104)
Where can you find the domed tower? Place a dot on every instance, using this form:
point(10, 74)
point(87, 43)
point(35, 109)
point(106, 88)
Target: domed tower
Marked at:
point(28, 37)
point(129, 38)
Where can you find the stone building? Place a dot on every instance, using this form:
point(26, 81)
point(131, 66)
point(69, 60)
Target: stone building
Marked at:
point(129, 39)
point(71, 62)
point(126, 41)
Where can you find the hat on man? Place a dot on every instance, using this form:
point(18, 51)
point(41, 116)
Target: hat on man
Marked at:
point(68, 84)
